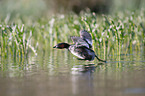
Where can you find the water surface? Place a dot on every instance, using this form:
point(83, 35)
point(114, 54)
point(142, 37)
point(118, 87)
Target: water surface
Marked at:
point(59, 73)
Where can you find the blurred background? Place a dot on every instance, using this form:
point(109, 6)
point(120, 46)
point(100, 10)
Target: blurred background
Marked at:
point(49, 7)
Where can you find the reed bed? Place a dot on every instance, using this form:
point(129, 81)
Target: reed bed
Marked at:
point(119, 33)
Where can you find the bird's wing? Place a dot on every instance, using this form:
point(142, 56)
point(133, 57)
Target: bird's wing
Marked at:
point(79, 41)
point(86, 36)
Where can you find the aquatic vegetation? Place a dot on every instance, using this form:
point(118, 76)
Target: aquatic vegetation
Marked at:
point(118, 33)
point(14, 40)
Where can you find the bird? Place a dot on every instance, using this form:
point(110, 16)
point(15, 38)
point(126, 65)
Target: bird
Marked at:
point(81, 47)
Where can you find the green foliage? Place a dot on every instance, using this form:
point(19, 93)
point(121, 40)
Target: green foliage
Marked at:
point(118, 33)
point(14, 40)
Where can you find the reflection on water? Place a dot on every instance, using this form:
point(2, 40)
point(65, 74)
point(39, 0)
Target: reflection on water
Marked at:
point(80, 69)
point(134, 90)
point(57, 72)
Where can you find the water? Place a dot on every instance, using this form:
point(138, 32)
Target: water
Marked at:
point(59, 73)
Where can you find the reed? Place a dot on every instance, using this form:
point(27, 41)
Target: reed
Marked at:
point(119, 33)
point(15, 40)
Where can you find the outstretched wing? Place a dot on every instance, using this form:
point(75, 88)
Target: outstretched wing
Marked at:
point(86, 36)
point(79, 41)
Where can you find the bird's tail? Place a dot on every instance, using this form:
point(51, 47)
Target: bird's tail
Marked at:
point(100, 59)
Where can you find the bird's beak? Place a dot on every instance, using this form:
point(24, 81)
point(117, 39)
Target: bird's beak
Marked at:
point(54, 47)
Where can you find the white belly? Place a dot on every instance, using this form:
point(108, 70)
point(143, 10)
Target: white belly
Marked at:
point(76, 54)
